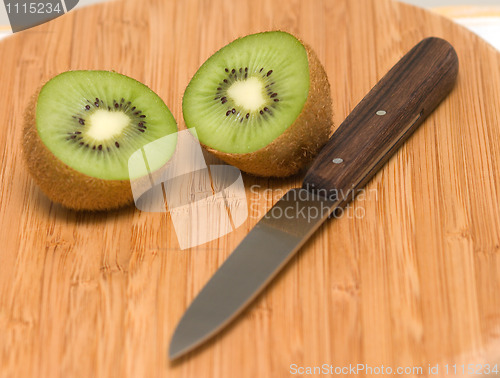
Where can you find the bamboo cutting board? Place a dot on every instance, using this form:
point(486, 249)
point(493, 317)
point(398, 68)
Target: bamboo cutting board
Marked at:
point(410, 277)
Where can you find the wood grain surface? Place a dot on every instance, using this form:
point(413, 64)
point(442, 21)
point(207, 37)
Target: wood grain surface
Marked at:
point(409, 276)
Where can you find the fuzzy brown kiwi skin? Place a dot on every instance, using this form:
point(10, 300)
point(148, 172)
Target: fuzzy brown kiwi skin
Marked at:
point(300, 142)
point(63, 184)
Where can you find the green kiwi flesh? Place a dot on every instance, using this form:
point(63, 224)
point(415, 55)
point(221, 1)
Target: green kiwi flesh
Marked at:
point(82, 131)
point(252, 91)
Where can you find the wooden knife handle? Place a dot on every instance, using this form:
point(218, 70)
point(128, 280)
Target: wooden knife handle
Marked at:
point(383, 120)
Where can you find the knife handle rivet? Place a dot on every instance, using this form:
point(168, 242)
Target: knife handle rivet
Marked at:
point(338, 160)
point(381, 112)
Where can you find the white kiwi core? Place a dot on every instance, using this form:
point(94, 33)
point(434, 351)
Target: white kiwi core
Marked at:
point(104, 124)
point(249, 93)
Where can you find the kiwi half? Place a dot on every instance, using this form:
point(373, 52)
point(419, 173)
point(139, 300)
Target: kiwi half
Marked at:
point(261, 103)
point(80, 130)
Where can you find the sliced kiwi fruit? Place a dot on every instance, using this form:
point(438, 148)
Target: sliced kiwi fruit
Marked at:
point(80, 130)
point(261, 103)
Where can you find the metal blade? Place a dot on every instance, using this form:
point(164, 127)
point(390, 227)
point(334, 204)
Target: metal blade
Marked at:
point(256, 260)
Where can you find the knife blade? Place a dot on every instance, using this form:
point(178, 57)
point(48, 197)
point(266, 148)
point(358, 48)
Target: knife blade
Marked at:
point(362, 144)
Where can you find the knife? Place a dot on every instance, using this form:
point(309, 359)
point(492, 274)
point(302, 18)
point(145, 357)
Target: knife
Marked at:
point(361, 145)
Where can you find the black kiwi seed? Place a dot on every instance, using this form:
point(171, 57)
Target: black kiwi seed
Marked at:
point(81, 121)
point(269, 72)
point(228, 112)
point(246, 69)
point(116, 105)
point(274, 95)
point(117, 145)
point(233, 71)
point(261, 112)
point(87, 107)
point(261, 69)
point(227, 70)
point(248, 115)
point(233, 111)
point(100, 147)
